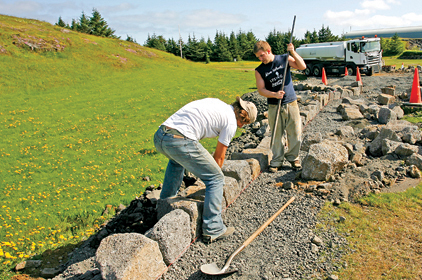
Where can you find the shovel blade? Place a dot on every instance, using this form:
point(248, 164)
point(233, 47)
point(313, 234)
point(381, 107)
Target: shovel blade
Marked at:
point(212, 269)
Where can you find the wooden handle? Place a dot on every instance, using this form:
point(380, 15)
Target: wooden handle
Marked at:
point(261, 228)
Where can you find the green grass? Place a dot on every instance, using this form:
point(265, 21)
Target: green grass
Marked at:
point(77, 128)
point(385, 231)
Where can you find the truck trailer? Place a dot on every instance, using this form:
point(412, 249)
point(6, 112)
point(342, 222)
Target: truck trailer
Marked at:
point(335, 57)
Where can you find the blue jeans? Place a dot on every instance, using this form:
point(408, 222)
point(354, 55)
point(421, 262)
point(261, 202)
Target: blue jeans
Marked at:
point(184, 153)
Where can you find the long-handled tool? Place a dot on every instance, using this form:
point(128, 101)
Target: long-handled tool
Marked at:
point(212, 268)
point(282, 88)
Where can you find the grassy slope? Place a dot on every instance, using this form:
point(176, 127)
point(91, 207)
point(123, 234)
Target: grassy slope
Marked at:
point(77, 127)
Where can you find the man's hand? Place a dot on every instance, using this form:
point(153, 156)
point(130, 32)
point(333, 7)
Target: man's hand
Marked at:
point(279, 94)
point(290, 48)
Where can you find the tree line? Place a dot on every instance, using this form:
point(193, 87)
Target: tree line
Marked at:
point(94, 25)
point(236, 46)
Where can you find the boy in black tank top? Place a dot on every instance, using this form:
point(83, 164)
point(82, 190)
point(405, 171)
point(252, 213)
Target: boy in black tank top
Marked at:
point(269, 79)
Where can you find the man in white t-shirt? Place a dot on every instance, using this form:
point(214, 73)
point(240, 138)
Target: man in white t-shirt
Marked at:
point(178, 139)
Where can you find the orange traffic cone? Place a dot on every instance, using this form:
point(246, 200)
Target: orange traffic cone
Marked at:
point(415, 95)
point(358, 79)
point(324, 76)
point(345, 71)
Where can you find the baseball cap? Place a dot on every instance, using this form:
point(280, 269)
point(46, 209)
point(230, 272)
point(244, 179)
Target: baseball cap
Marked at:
point(249, 107)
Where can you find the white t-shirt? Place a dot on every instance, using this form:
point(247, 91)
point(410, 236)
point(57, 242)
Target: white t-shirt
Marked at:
point(205, 118)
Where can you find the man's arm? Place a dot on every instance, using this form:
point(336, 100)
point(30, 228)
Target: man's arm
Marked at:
point(295, 60)
point(260, 85)
point(220, 153)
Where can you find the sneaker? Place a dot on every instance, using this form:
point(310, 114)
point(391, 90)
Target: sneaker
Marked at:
point(208, 239)
point(296, 164)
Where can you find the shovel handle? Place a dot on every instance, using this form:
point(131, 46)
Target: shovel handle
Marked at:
point(282, 88)
point(253, 236)
point(261, 228)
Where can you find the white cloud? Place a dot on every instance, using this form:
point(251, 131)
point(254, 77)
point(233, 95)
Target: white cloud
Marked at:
point(20, 7)
point(375, 5)
point(211, 18)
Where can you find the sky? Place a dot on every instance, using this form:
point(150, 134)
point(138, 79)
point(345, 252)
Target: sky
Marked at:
point(202, 19)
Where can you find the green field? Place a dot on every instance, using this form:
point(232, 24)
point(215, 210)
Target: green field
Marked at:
point(77, 117)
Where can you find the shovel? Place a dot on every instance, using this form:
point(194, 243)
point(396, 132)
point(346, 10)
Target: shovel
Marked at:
point(212, 268)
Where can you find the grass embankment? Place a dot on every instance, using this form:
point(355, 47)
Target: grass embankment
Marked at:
point(385, 231)
point(77, 118)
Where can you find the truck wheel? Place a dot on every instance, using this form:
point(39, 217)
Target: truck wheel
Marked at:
point(307, 71)
point(351, 71)
point(316, 71)
point(370, 72)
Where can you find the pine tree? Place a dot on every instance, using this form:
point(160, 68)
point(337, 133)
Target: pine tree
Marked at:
point(130, 39)
point(172, 47)
point(84, 24)
point(221, 51)
point(156, 42)
point(234, 46)
point(61, 23)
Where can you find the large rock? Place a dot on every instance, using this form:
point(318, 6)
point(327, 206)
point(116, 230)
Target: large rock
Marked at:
point(323, 160)
point(231, 189)
point(386, 115)
point(191, 206)
point(405, 149)
point(375, 148)
point(172, 232)
point(389, 146)
point(238, 169)
point(345, 131)
point(385, 99)
point(398, 110)
point(129, 256)
point(415, 159)
point(351, 113)
point(262, 153)
point(310, 139)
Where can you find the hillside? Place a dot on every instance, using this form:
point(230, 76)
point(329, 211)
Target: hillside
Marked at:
point(77, 117)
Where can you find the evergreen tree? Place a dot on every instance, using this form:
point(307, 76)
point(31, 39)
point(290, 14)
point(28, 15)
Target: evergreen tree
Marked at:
point(84, 24)
point(251, 40)
point(277, 41)
point(195, 50)
point(393, 46)
point(314, 37)
point(234, 46)
point(307, 38)
point(221, 48)
point(156, 42)
point(130, 39)
point(61, 23)
point(172, 47)
point(325, 35)
point(99, 26)
point(74, 25)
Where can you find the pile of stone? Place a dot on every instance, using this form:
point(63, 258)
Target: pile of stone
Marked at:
point(123, 250)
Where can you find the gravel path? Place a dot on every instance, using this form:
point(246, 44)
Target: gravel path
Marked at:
point(284, 250)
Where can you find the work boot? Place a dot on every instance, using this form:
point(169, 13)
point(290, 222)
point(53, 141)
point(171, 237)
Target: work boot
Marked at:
point(208, 239)
point(296, 164)
point(272, 169)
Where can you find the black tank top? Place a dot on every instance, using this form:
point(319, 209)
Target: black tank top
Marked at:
point(272, 74)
